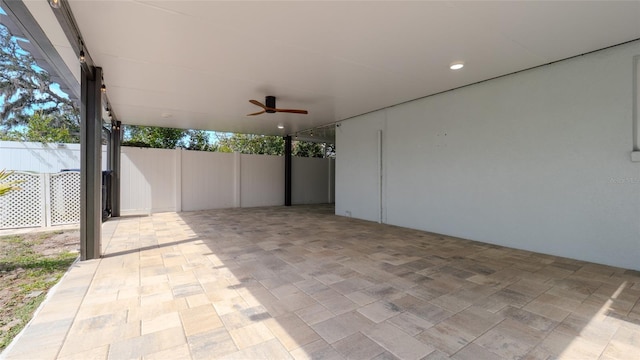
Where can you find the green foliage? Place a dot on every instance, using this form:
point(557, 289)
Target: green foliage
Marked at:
point(11, 135)
point(24, 87)
point(167, 138)
point(6, 186)
point(45, 129)
point(308, 149)
point(154, 137)
point(271, 145)
point(199, 140)
point(251, 144)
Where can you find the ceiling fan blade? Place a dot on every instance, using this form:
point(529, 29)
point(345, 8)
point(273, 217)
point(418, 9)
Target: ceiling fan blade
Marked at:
point(272, 110)
point(257, 113)
point(293, 111)
point(258, 103)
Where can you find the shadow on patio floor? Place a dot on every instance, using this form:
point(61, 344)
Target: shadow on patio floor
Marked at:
point(300, 282)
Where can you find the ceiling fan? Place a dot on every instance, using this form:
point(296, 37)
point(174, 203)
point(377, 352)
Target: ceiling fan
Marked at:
point(270, 107)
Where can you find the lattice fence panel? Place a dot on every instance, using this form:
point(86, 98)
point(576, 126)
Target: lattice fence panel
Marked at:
point(24, 207)
point(64, 198)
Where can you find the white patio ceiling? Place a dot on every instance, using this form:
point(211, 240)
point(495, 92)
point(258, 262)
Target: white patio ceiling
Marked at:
point(195, 64)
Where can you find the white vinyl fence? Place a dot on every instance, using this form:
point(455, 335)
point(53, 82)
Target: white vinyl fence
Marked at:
point(157, 180)
point(42, 158)
point(43, 200)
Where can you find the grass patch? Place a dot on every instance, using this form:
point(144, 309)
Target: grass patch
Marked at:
point(22, 316)
point(30, 265)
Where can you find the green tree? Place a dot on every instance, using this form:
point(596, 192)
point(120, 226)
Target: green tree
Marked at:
point(11, 135)
point(308, 149)
point(154, 137)
point(251, 144)
point(41, 128)
point(199, 140)
point(25, 87)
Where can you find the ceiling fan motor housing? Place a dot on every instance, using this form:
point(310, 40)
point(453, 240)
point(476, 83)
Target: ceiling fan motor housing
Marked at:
point(270, 101)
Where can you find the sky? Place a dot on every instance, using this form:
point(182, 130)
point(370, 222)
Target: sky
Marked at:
point(55, 87)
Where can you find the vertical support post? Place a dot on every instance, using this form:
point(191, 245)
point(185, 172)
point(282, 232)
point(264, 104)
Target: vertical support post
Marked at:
point(90, 165)
point(636, 103)
point(178, 152)
point(287, 170)
point(116, 136)
point(380, 176)
point(635, 152)
point(109, 152)
point(330, 180)
point(237, 166)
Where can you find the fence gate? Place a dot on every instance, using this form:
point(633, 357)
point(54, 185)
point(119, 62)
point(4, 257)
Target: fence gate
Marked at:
point(43, 200)
point(24, 207)
point(64, 198)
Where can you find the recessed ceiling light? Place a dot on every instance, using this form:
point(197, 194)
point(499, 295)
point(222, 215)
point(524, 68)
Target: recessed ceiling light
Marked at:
point(456, 65)
point(280, 126)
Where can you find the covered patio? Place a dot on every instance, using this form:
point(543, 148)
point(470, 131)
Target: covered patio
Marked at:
point(299, 282)
point(532, 147)
point(550, 91)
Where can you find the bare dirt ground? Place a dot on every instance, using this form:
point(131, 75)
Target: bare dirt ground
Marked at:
point(57, 242)
point(30, 264)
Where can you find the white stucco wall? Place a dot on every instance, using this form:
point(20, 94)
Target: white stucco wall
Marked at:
point(538, 160)
point(357, 186)
point(310, 178)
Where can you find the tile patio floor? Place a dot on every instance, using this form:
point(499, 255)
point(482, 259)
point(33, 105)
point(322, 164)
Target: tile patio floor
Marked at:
point(301, 283)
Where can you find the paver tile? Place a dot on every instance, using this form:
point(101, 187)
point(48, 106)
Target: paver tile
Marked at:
point(302, 283)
